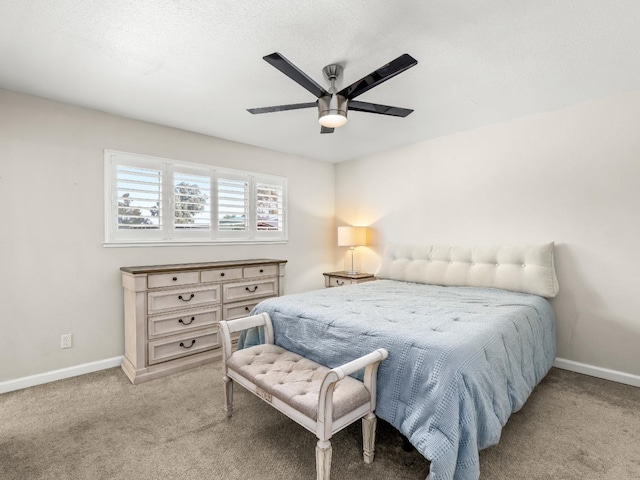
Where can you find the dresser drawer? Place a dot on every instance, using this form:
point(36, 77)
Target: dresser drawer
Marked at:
point(175, 279)
point(183, 345)
point(247, 290)
point(232, 311)
point(186, 321)
point(340, 281)
point(221, 274)
point(182, 298)
point(261, 271)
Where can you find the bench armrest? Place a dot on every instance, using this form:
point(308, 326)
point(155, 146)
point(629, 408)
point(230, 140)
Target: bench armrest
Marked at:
point(359, 363)
point(369, 362)
point(227, 327)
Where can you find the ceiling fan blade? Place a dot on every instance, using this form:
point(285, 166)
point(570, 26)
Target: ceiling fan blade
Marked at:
point(282, 108)
point(324, 129)
point(358, 106)
point(384, 73)
point(295, 74)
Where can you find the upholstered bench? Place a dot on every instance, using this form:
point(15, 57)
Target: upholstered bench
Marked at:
point(322, 400)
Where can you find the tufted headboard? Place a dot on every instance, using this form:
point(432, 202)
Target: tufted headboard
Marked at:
point(526, 268)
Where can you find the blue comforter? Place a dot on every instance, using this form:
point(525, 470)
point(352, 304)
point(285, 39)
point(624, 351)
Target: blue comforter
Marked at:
point(461, 359)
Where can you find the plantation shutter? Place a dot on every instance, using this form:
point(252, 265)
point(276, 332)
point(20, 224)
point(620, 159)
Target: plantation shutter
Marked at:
point(270, 206)
point(139, 193)
point(191, 202)
point(233, 205)
point(134, 205)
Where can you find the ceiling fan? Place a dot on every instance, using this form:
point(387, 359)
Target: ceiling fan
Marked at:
point(333, 105)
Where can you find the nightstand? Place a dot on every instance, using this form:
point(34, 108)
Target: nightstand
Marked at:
point(338, 279)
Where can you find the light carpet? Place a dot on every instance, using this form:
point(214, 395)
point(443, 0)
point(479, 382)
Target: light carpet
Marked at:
point(99, 426)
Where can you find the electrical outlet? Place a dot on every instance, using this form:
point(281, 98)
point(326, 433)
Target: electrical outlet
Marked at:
point(65, 340)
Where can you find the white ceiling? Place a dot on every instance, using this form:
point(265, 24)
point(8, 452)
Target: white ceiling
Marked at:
point(197, 64)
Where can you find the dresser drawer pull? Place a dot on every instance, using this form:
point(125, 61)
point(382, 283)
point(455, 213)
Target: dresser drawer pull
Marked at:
point(192, 319)
point(184, 346)
point(339, 282)
point(175, 279)
point(247, 309)
point(188, 299)
point(254, 289)
point(261, 270)
point(222, 274)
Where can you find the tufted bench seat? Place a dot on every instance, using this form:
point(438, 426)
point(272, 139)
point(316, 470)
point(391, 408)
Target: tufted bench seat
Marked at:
point(296, 380)
point(322, 400)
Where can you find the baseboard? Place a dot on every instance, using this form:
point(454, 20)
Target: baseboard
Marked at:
point(39, 379)
point(599, 372)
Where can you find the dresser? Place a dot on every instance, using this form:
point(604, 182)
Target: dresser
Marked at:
point(171, 312)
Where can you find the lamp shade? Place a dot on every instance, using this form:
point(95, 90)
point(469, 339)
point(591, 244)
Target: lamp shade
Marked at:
point(352, 236)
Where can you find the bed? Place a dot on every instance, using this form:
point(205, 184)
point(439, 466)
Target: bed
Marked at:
point(469, 334)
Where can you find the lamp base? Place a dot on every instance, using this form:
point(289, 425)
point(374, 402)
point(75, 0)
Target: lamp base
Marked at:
point(352, 261)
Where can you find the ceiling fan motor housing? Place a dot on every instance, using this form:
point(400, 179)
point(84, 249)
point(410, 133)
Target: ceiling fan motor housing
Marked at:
point(333, 104)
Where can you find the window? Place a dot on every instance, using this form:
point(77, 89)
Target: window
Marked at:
point(154, 200)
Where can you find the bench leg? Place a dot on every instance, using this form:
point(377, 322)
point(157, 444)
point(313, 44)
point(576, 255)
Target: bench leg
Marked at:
point(228, 396)
point(323, 460)
point(369, 436)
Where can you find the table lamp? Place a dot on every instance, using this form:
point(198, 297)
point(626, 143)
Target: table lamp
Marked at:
point(351, 237)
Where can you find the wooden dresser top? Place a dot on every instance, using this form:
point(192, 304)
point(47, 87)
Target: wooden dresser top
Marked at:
point(199, 266)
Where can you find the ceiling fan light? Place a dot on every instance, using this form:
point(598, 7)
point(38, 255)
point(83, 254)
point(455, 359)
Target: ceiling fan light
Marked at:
point(332, 111)
point(332, 120)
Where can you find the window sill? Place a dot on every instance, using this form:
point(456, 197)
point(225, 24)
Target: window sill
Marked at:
point(192, 244)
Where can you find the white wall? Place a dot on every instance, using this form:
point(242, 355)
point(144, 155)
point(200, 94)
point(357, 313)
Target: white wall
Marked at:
point(56, 275)
point(571, 176)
